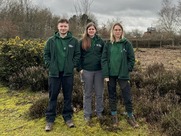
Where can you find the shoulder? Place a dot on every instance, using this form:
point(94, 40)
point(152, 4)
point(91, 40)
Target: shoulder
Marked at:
point(108, 42)
point(99, 39)
point(74, 38)
point(127, 42)
point(80, 40)
point(50, 39)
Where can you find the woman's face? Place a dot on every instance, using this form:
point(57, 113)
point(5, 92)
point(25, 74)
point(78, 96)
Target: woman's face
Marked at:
point(91, 31)
point(117, 32)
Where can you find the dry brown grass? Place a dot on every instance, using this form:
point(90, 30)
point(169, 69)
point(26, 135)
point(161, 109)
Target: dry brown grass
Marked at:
point(171, 58)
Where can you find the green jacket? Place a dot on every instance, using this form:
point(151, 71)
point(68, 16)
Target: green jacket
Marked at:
point(127, 59)
point(72, 55)
point(91, 59)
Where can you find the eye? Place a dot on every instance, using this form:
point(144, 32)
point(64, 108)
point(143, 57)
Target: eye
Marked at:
point(117, 30)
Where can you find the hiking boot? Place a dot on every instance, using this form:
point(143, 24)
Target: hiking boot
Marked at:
point(115, 120)
point(87, 119)
point(132, 122)
point(49, 126)
point(70, 123)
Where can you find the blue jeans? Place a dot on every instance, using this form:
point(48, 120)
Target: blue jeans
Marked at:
point(55, 85)
point(93, 81)
point(126, 93)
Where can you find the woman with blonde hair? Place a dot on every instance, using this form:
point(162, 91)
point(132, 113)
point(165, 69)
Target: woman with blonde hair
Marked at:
point(90, 69)
point(117, 62)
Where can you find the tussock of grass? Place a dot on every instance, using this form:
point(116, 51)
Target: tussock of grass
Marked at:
point(14, 121)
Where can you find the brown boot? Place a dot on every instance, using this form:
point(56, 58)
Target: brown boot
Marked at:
point(115, 120)
point(132, 122)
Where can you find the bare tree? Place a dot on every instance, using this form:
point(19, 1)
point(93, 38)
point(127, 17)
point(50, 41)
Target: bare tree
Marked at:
point(82, 17)
point(22, 18)
point(1, 3)
point(136, 33)
point(179, 16)
point(111, 22)
point(168, 17)
point(82, 6)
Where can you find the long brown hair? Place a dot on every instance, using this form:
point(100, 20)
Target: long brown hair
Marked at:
point(112, 38)
point(86, 40)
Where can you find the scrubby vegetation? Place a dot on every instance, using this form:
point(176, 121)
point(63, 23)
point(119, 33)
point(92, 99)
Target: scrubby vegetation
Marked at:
point(15, 119)
point(156, 93)
point(157, 98)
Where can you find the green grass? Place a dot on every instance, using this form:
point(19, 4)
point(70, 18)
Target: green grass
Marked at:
point(14, 120)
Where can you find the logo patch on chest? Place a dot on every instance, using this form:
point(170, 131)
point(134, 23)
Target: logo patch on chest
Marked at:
point(98, 45)
point(71, 46)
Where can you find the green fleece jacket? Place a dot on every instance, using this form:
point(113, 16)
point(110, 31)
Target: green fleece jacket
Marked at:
point(70, 58)
point(91, 59)
point(126, 59)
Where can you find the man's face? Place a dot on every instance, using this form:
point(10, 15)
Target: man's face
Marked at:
point(63, 28)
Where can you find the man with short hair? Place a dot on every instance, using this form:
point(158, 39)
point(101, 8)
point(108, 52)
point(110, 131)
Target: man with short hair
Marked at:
point(61, 55)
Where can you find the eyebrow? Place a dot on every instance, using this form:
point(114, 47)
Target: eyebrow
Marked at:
point(117, 29)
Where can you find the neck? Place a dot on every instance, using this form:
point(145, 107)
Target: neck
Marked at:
point(91, 36)
point(63, 35)
point(117, 39)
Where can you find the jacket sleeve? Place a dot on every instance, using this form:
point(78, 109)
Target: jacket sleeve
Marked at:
point(76, 57)
point(46, 54)
point(130, 57)
point(104, 61)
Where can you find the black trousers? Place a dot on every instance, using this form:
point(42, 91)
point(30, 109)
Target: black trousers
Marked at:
point(126, 94)
point(64, 83)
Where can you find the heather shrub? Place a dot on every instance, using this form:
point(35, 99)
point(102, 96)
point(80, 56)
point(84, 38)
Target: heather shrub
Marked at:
point(171, 122)
point(34, 78)
point(37, 78)
point(157, 97)
point(162, 80)
point(152, 106)
point(77, 92)
point(38, 109)
point(136, 76)
point(155, 69)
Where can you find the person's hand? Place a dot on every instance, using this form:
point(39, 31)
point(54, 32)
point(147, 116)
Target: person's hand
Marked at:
point(81, 72)
point(106, 79)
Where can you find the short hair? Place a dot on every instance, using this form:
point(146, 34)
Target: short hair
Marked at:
point(63, 20)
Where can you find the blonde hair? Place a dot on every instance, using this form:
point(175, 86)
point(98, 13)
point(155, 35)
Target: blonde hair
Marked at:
point(112, 37)
point(86, 40)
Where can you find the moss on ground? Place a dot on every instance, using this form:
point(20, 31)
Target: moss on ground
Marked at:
point(15, 122)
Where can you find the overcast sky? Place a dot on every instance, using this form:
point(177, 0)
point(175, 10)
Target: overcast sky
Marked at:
point(134, 14)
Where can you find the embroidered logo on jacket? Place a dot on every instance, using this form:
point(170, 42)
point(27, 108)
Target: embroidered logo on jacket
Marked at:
point(98, 45)
point(71, 46)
